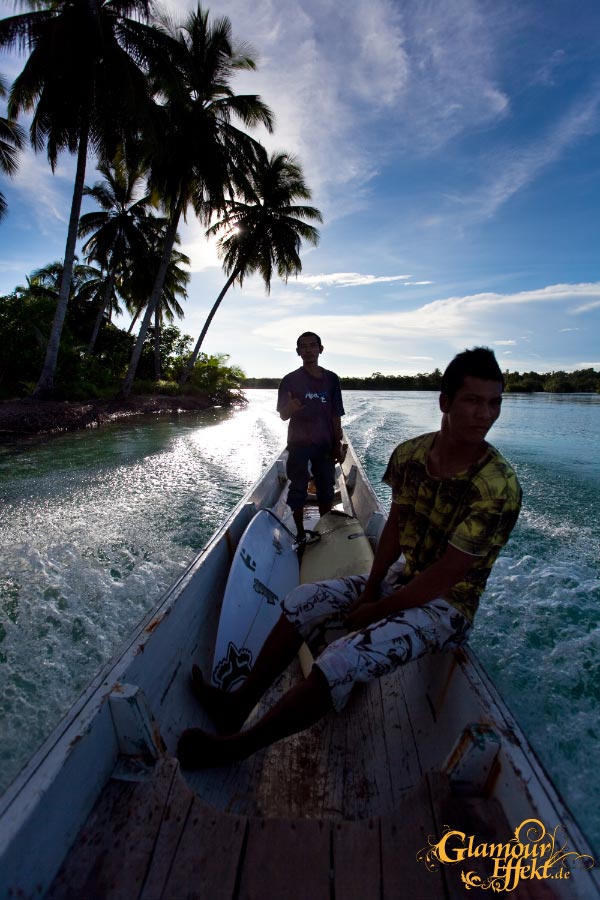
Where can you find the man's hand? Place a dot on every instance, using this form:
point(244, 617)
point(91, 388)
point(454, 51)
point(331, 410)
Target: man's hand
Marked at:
point(363, 616)
point(293, 406)
point(364, 610)
point(339, 451)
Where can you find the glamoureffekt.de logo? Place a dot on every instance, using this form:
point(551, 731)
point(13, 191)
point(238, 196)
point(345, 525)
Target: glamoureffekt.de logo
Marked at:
point(533, 854)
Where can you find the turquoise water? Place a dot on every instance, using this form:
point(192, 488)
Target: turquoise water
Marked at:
point(96, 525)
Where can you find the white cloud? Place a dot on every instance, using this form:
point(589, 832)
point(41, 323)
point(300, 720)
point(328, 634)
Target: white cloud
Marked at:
point(504, 343)
point(46, 197)
point(514, 168)
point(453, 321)
point(349, 279)
point(545, 74)
point(201, 251)
point(587, 307)
point(353, 84)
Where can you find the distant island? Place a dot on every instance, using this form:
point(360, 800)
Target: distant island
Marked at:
point(583, 381)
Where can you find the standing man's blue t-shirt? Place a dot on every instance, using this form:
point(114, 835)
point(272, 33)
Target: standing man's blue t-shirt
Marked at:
point(321, 400)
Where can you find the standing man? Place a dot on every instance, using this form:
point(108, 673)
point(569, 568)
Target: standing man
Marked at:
point(310, 398)
point(455, 500)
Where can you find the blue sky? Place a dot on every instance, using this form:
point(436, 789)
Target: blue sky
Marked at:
point(453, 147)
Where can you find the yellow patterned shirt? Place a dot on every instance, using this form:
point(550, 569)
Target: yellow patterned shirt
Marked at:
point(474, 511)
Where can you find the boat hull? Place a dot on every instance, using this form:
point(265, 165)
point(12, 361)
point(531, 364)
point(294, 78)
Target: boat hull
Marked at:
point(359, 766)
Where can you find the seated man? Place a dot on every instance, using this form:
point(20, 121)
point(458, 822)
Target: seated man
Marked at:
point(455, 500)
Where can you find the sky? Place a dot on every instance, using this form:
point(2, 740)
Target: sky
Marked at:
point(453, 149)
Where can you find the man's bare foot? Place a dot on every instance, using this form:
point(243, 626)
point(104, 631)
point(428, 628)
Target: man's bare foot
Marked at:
point(220, 705)
point(198, 750)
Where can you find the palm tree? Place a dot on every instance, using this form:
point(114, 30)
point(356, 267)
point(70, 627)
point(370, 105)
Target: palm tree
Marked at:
point(138, 281)
point(199, 154)
point(12, 139)
point(84, 84)
point(86, 282)
point(118, 233)
point(263, 232)
point(86, 286)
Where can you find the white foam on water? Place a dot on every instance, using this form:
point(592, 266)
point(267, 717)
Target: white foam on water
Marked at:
point(94, 530)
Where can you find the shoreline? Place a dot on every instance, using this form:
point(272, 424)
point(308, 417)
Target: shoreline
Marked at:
point(25, 417)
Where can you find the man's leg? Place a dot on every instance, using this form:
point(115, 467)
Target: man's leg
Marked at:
point(298, 516)
point(323, 469)
point(310, 611)
point(229, 710)
point(297, 710)
point(297, 472)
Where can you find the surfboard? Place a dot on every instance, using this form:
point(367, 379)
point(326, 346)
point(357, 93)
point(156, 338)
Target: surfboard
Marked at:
point(264, 568)
point(343, 549)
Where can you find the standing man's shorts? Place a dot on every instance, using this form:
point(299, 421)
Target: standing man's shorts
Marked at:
point(323, 472)
point(318, 612)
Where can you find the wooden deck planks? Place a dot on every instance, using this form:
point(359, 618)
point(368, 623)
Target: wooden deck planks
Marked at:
point(286, 859)
point(175, 816)
point(206, 862)
point(356, 860)
point(402, 837)
point(158, 841)
point(110, 857)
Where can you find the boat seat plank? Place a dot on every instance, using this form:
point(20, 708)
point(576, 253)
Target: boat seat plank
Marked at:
point(403, 835)
point(206, 862)
point(356, 863)
point(288, 859)
point(112, 852)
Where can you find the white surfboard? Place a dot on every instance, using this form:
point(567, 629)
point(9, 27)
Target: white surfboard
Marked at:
point(343, 549)
point(264, 568)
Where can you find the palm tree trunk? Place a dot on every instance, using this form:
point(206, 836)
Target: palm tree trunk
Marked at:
point(99, 318)
point(157, 343)
point(134, 320)
point(192, 360)
point(154, 299)
point(45, 386)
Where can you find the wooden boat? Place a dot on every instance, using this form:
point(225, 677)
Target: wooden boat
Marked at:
point(347, 809)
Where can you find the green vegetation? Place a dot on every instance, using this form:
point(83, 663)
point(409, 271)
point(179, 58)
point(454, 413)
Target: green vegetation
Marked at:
point(152, 99)
point(26, 317)
point(586, 381)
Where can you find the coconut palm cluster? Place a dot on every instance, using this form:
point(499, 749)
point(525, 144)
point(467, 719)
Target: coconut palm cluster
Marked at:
point(151, 99)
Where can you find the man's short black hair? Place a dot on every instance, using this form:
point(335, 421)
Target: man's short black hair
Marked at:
point(309, 334)
point(480, 362)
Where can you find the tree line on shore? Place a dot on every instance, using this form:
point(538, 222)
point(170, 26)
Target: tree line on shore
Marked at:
point(586, 381)
point(152, 99)
point(26, 316)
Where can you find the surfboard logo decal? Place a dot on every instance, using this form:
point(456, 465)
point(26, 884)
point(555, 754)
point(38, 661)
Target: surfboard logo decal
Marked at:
point(248, 561)
point(265, 592)
point(234, 667)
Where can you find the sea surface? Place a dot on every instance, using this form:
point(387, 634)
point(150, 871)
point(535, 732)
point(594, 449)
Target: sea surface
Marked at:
point(94, 527)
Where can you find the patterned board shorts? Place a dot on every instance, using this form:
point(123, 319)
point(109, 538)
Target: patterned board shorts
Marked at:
point(318, 612)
